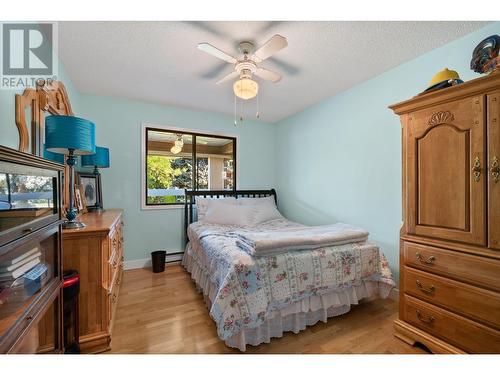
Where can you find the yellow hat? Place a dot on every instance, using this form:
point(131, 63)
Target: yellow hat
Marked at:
point(444, 76)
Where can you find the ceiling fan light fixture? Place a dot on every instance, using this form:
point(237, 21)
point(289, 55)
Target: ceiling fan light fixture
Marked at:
point(175, 150)
point(178, 144)
point(246, 88)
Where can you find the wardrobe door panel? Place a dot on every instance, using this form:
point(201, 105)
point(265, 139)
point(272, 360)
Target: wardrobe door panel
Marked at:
point(446, 171)
point(493, 170)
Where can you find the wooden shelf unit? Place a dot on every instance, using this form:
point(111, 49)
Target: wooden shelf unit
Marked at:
point(32, 324)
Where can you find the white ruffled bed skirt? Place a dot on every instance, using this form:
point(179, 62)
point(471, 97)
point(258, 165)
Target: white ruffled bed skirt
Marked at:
point(293, 318)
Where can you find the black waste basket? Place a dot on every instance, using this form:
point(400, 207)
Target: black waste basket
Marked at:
point(158, 260)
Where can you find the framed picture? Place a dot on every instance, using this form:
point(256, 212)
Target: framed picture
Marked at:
point(91, 185)
point(80, 199)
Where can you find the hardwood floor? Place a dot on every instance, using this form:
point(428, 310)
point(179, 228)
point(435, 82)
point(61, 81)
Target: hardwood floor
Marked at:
point(163, 313)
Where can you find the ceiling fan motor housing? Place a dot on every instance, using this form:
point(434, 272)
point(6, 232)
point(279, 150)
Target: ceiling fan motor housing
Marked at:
point(246, 48)
point(245, 68)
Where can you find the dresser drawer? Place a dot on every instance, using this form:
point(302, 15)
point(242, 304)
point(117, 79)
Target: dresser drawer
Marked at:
point(114, 263)
point(114, 290)
point(114, 246)
point(459, 331)
point(473, 302)
point(469, 268)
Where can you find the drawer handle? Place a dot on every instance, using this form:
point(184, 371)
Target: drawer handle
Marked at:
point(430, 290)
point(429, 320)
point(495, 170)
point(429, 260)
point(476, 169)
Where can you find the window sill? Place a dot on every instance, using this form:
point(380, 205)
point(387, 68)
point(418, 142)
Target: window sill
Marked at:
point(161, 207)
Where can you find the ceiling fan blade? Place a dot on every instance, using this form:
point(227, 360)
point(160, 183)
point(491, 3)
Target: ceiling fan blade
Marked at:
point(273, 45)
point(283, 65)
point(208, 48)
point(268, 75)
point(216, 71)
point(228, 77)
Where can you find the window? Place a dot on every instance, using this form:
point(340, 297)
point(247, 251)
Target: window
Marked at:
point(176, 160)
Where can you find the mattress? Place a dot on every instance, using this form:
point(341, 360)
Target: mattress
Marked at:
point(251, 298)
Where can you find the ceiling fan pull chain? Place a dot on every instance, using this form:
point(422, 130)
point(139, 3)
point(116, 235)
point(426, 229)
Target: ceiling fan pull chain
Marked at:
point(235, 123)
point(241, 111)
point(257, 114)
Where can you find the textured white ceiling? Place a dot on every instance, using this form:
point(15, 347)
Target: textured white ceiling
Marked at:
point(159, 61)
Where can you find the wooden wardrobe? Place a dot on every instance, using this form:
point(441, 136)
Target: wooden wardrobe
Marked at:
point(450, 237)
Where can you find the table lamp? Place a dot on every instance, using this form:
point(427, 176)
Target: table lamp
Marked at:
point(99, 160)
point(58, 158)
point(72, 136)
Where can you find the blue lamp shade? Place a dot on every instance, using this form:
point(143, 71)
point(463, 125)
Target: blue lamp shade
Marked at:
point(100, 159)
point(58, 158)
point(63, 133)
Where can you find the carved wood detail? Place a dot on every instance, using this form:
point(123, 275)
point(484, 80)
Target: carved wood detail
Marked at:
point(48, 97)
point(29, 99)
point(441, 117)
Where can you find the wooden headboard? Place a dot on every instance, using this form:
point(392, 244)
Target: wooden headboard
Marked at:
point(189, 199)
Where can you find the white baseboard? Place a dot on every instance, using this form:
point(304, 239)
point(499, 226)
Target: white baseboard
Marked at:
point(146, 262)
point(394, 294)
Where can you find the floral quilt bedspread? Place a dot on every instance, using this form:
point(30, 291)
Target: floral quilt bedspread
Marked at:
point(249, 288)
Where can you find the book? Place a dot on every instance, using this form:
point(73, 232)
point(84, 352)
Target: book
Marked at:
point(20, 271)
point(13, 267)
point(35, 273)
point(19, 258)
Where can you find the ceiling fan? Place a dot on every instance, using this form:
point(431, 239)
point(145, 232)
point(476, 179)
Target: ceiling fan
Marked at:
point(247, 64)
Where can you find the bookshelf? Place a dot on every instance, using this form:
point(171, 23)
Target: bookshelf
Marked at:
point(30, 254)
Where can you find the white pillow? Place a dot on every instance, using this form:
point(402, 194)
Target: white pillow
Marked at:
point(231, 214)
point(251, 201)
point(266, 211)
point(266, 208)
point(203, 203)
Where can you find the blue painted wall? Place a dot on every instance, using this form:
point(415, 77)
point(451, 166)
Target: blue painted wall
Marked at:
point(118, 126)
point(340, 160)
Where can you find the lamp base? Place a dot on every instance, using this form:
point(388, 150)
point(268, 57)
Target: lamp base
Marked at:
point(75, 224)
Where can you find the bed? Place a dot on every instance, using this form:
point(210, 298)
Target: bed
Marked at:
point(255, 298)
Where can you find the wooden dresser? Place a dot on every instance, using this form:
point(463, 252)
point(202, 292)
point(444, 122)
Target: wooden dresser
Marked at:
point(450, 238)
point(96, 252)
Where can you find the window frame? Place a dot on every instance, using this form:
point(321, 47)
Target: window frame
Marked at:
point(173, 129)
